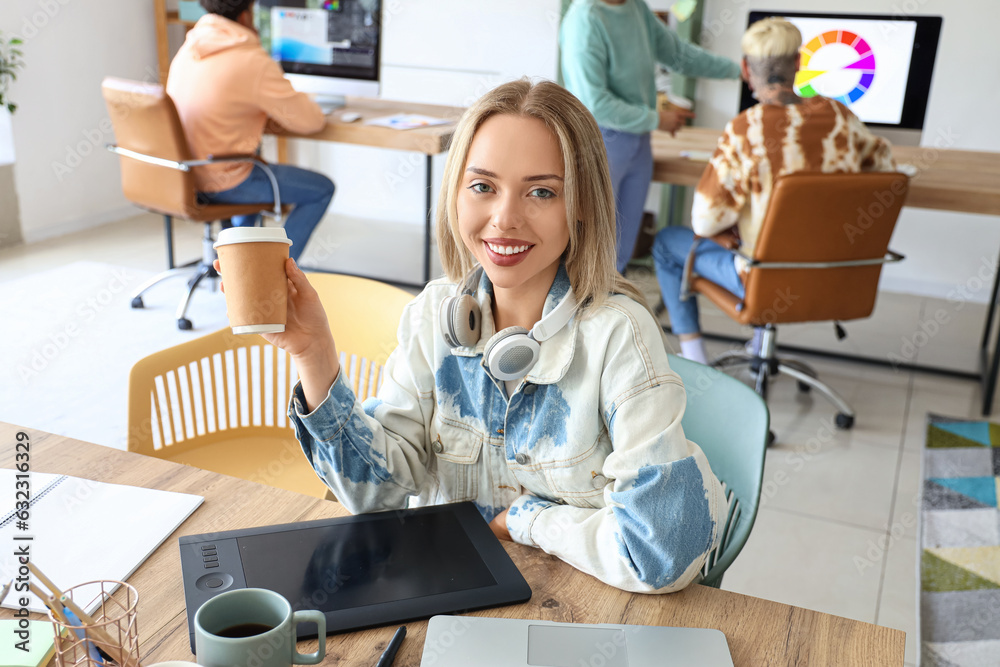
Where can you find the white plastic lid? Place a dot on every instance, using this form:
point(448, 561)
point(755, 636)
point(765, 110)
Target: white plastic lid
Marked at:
point(252, 235)
point(678, 101)
point(259, 328)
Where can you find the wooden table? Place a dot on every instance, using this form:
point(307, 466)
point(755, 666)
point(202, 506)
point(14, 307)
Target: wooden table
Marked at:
point(947, 180)
point(427, 140)
point(760, 632)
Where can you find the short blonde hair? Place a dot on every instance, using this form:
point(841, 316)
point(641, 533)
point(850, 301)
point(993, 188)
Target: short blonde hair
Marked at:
point(773, 37)
point(590, 207)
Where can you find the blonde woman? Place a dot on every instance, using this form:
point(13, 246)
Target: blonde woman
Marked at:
point(567, 438)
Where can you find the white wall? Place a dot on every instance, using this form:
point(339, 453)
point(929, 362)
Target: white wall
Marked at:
point(439, 52)
point(6, 138)
point(443, 51)
point(450, 51)
point(66, 180)
point(943, 250)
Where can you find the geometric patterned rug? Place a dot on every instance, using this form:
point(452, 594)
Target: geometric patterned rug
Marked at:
point(960, 544)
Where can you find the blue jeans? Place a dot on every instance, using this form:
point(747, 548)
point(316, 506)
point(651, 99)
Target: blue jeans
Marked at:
point(711, 261)
point(309, 191)
point(630, 157)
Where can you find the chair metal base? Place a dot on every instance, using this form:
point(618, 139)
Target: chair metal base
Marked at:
point(197, 271)
point(765, 364)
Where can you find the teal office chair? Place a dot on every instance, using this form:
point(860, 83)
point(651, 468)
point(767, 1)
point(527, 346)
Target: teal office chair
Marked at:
point(729, 421)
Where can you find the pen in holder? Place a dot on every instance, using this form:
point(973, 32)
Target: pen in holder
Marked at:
point(105, 638)
point(110, 636)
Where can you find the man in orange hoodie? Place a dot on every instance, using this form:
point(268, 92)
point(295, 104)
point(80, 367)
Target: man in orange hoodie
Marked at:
point(225, 87)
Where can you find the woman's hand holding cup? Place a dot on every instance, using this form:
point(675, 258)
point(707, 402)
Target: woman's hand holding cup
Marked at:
point(306, 336)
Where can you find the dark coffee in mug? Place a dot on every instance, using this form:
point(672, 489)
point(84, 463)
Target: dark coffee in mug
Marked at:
point(253, 627)
point(245, 630)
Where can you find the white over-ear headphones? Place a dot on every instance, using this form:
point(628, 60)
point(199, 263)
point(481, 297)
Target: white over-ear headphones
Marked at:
point(511, 353)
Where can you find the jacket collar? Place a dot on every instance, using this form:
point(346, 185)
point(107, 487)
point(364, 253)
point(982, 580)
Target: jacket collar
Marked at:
point(555, 354)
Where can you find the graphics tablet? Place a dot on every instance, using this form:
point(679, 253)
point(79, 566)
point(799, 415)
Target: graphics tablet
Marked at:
point(361, 571)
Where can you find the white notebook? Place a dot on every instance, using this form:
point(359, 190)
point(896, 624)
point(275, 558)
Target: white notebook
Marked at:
point(82, 530)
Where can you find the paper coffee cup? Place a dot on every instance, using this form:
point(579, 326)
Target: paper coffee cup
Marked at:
point(671, 102)
point(252, 263)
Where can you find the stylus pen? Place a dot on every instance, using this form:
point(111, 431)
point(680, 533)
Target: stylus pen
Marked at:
point(390, 651)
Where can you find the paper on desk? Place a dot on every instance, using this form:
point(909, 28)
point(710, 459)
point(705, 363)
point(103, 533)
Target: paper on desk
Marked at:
point(81, 530)
point(406, 121)
point(697, 156)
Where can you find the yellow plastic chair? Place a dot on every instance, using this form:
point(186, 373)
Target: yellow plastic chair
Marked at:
point(218, 402)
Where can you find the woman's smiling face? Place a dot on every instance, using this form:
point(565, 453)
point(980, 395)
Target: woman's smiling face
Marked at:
point(511, 204)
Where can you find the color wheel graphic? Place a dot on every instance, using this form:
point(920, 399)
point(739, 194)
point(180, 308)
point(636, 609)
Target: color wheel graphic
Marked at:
point(837, 64)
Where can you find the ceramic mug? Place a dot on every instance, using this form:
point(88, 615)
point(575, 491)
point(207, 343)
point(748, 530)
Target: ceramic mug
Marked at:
point(253, 627)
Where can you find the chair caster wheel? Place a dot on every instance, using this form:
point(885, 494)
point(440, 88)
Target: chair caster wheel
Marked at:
point(184, 324)
point(770, 438)
point(804, 388)
point(843, 421)
point(137, 302)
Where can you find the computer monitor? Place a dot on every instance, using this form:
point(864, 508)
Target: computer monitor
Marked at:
point(326, 47)
point(879, 66)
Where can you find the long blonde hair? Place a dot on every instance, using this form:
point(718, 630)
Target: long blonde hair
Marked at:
point(590, 208)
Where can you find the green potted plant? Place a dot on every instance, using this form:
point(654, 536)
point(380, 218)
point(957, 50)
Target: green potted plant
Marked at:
point(10, 62)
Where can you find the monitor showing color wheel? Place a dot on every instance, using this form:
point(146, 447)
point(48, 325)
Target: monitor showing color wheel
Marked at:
point(877, 65)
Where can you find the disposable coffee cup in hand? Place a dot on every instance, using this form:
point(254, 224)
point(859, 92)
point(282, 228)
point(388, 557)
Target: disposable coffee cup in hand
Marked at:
point(253, 627)
point(670, 102)
point(252, 263)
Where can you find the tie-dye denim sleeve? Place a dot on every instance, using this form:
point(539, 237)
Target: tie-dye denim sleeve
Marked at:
point(663, 503)
point(373, 457)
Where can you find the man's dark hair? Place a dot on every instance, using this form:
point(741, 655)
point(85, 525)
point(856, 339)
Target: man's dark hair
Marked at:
point(770, 70)
point(229, 9)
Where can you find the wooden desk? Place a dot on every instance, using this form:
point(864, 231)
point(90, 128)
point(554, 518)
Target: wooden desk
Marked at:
point(760, 632)
point(948, 180)
point(427, 140)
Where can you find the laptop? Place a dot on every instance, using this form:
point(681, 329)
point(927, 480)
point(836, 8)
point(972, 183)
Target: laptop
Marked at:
point(460, 641)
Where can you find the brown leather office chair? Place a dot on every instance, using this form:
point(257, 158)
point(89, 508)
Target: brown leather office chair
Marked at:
point(156, 167)
point(820, 252)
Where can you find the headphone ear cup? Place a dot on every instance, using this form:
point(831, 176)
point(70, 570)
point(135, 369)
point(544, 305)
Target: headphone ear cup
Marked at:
point(461, 321)
point(510, 353)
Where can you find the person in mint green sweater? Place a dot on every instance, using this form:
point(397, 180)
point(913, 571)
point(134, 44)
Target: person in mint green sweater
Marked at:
point(609, 51)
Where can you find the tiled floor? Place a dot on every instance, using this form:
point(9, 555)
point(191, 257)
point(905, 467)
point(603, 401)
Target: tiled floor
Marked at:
point(836, 531)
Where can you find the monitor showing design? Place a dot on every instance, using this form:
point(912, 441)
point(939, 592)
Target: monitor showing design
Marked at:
point(327, 47)
point(880, 66)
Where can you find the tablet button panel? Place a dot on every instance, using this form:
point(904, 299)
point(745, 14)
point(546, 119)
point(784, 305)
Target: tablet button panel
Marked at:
point(214, 582)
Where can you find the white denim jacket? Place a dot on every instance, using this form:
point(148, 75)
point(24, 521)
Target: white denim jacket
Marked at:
point(588, 454)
